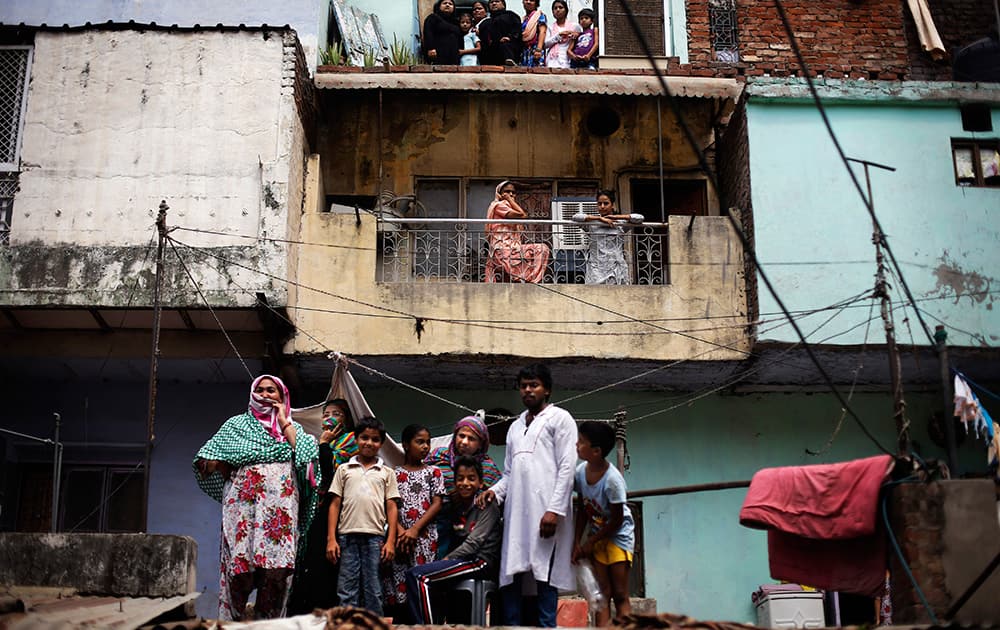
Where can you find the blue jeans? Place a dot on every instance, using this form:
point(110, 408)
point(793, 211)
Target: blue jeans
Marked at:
point(548, 600)
point(358, 583)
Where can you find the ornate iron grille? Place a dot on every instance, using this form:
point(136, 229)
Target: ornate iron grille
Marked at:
point(722, 21)
point(460, 252)
point(8, 186)
point(14, 62)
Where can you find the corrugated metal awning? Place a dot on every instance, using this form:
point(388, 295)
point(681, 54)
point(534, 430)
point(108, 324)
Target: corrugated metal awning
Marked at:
point(600, 83)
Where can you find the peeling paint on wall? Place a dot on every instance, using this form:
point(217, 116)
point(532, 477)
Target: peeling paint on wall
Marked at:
point(953, 279)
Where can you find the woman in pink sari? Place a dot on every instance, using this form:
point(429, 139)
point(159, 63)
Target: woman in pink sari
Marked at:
point(510, 258)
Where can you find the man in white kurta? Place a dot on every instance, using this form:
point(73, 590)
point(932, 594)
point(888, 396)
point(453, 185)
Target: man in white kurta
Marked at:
point(537, 491)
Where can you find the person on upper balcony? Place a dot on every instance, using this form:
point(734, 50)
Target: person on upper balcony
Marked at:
point(500, 35)
point(584, 53)
point(442, 35)
point(560, 36)
point(533, 30)
point(606, 262)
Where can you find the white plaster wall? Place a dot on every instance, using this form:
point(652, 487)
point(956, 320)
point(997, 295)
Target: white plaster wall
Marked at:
point(118, 120)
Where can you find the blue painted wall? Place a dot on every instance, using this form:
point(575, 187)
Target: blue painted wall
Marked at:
point(814, 235)
point(699, 560)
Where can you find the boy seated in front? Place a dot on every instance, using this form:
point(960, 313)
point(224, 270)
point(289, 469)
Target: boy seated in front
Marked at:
point(476, 534)
point(363, 515)
point(605, 517)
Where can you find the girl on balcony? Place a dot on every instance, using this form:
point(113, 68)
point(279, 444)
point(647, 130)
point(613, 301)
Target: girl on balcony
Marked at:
point(561, 35)
point(606, 262)
point(261, 466)
point(533, 35)
point(511, 260)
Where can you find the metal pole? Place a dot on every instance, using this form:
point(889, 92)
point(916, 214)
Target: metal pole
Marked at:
point(659, 141)
point(56, 474)
point(941, 345)
point(161, 227)
point(882, 291)
point(700, 487)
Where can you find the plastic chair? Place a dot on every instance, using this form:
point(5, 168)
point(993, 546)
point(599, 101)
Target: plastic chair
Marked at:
point(480, 590)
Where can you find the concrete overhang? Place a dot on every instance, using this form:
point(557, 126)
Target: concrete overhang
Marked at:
point(617, 83)
point(875, 92)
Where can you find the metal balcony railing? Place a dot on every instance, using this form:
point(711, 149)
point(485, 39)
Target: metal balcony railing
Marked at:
point(506, 251)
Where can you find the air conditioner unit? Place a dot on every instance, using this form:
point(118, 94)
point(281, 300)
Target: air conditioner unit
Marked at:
point(571, 236)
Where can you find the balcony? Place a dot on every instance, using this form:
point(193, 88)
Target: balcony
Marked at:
point(556, 252)
point(392, 290)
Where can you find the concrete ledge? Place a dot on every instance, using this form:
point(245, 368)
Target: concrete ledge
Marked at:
point(129, 565)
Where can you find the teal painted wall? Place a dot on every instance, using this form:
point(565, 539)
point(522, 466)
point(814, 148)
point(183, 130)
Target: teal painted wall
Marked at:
point(813, 233)
point(699, 560)
point(397, 17)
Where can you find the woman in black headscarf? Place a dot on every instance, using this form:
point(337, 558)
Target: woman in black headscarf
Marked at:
point(500, 35)
point(442, 35)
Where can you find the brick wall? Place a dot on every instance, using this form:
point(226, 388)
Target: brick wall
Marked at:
point(839, 38)
point(917, 517)
point(959, 22)
point(734, 189)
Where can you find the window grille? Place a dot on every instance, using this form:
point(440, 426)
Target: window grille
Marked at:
point(8, 186)
point(722, 21)
point(15, 63)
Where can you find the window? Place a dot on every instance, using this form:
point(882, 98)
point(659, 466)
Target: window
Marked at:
point(977, 163)
point(15, 64)
point(722, 25)
point(663, 22)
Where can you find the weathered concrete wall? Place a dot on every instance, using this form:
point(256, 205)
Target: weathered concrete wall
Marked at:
point(948, 532)
point(132, 565)
point(499, 136)
point(307, 17)
point(118, 121)
point(707, 281)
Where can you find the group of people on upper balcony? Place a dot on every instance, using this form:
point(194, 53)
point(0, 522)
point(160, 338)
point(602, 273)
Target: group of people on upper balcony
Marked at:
point(513, 260)
point(493, 35)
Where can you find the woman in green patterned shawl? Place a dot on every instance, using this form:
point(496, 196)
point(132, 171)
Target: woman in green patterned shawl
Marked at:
point(261, 465)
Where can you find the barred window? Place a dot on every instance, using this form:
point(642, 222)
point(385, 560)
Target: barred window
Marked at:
point(15, 63)
point(620, 39)
point(8, 186)
point(722, 22)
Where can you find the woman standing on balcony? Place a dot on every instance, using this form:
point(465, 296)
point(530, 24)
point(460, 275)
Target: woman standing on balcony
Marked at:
point(501, 36)
point(561, 35)
point(533, 35)
point(261, 466)
point(511, 260)
point(442, 35)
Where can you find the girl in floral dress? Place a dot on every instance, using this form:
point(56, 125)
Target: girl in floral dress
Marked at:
point(421, 488)
point(261, 466)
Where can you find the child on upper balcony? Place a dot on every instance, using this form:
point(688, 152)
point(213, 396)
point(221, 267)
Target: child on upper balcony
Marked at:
point(584, 53)
point(470, 42)
point(606, 262)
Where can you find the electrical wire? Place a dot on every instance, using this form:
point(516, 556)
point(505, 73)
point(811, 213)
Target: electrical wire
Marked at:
point(272, 240)
point(745, 242)
point(869, 206)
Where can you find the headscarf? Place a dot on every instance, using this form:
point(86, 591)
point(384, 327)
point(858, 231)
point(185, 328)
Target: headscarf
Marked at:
point(265, 412)
point(444, 457)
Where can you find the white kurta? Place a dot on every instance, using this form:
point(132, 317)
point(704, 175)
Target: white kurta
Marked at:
point(538, 477)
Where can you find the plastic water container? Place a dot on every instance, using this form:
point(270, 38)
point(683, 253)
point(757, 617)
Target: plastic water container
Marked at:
point(791, 610)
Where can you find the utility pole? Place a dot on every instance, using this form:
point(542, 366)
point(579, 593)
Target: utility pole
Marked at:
point(948, 409)
point(882, 292)
point(161, 228)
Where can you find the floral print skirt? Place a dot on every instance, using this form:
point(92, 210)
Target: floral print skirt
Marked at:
point(260, 507)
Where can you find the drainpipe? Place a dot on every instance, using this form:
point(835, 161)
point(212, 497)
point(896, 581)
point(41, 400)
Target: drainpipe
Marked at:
point(56, 473)
point(659, 142)
point(161, 227)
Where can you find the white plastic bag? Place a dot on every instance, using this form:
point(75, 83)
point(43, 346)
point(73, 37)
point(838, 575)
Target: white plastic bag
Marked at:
point(587, 586)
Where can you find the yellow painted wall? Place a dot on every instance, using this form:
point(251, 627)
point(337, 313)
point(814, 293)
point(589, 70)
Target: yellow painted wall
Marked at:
point(337, 311)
